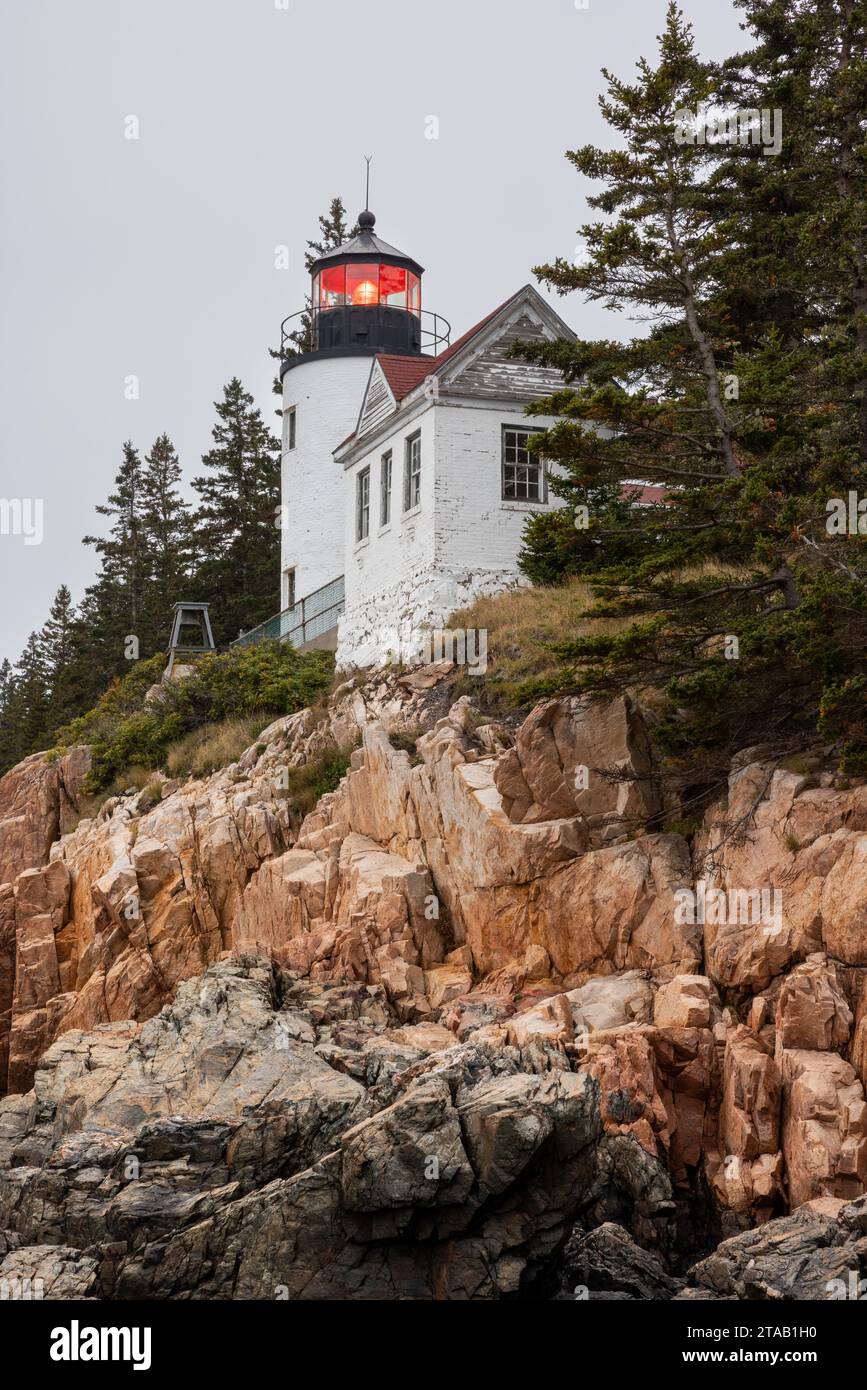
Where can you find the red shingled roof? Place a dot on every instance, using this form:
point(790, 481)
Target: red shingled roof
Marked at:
point(403, 374)
point(645, 494)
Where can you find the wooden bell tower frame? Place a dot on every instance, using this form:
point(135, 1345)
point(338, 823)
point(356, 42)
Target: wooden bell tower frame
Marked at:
point(189, 615)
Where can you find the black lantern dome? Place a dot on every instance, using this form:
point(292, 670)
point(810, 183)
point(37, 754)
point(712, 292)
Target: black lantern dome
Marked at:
point(366, 298)
point(367, 294)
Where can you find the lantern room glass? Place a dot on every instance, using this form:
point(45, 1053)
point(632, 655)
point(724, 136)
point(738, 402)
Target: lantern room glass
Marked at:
point(366, 284)
point(362, 284)
point(392, 286)
point(332, 286)
point(414, 292)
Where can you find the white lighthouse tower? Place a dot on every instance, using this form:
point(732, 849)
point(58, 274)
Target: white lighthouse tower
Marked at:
point(366, 300)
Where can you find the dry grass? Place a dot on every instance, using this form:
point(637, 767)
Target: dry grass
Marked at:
point(521, 625)
point(707, 569)
point(213, 746)
point(134, 778)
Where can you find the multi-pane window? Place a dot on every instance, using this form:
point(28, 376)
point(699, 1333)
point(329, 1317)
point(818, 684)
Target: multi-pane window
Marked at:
point(290, 428)
point(412, 473)
point(523, 472)
point(289, 576)
point(362, 505)
point(385, 489)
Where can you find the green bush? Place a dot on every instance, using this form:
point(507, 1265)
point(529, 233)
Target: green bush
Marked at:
point(268, 680)
point(306, 784)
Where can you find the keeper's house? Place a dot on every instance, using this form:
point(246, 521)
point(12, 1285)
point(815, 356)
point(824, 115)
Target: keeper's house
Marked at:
point(406, 478)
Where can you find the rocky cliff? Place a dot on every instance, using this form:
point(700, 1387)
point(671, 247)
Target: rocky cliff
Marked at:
point(474, 1027)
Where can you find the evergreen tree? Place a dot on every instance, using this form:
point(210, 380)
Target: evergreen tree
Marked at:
point(61, 650)
point(167, 539)
point(333, 232)
point(116, 609)
point(236, 523)
point(730, 599)
point(8, 734)
point(27, 709)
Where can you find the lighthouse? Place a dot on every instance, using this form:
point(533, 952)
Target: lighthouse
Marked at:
point(366, 300)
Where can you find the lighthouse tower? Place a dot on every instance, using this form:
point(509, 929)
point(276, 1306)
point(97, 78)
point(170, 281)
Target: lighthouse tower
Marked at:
point(366, 299)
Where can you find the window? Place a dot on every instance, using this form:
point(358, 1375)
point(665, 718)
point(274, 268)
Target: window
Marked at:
point(362, 505)
point(332, 283)
point(362, 284)
point(414, 292)
point(392, 285)
point(523, 472)
point(290, 429)
point(412, 473)
point(385, 490)
point(289, 588)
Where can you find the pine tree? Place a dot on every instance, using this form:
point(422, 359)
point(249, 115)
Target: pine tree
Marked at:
point(333, 232)
point(117, 598)
point(27, 710)
point(8, 733)
point(724, 599)
point(66, 660)
point(236, 524)
point(167, 540)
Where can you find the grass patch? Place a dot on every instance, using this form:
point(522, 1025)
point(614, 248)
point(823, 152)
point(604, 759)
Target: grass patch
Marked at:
point(213, 746)
point(522, 627)
point(305, 785)
point(405, 740)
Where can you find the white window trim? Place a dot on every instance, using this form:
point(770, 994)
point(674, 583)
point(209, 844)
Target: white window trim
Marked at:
point(406, 492)
point(362, 476)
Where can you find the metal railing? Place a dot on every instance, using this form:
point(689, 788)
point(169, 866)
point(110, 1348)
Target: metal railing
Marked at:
point(311, 617)
point(435, 330)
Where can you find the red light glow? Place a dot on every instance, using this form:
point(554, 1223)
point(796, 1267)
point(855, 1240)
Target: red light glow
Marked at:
point(365, 293)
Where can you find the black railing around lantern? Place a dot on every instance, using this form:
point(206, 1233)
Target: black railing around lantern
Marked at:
point(348, 326)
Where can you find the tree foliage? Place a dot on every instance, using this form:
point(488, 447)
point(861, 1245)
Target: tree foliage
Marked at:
point(745, 399)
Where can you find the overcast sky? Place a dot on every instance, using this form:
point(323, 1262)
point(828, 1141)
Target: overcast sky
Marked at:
point(155, 257)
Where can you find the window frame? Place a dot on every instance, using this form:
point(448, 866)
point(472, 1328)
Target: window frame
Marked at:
point(291, 429)
point(542, 499)
point(289, 576)
point(362, 505)
point(386, 478)
point(410, 473)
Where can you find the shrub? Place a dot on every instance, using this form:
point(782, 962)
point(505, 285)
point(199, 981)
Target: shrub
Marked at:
point(259, 682)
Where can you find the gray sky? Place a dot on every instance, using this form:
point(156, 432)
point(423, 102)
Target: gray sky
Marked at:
point(155, 257)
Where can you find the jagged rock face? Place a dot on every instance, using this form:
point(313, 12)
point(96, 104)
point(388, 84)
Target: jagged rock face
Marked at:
point(508, 887)
point(811, 1254)
point(262, 1134)
point(399, 1049)
point(809, 844)
point(577, 757)
point(39, 800)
